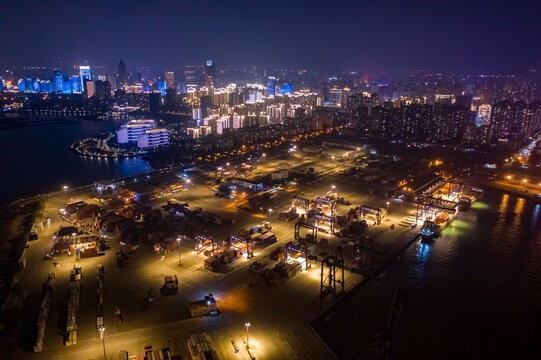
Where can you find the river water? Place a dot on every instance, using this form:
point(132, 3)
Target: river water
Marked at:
point(36, 159)
point(474, 293)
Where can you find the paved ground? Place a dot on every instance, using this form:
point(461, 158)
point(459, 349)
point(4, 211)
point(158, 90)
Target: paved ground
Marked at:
point(279, 315)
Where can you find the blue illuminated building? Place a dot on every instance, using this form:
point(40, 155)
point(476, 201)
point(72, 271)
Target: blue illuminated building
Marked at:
point(45, 86)
point(22, 86)
point(29, 84)
point(58, 80)
point(66, 87)
point(84, 73)
point(75, 82)
point(35, 84)
point(271, 83)
point(161, 87)
point(288, 88)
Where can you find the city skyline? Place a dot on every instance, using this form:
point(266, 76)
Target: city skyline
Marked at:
point(321, 36)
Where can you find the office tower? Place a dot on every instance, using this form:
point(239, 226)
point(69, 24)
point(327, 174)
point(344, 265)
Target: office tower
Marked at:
point(84, 74)
point(210, 72)
point(66, 86)
point(21, 85)
point(35, 85)
point(75, 84)
point(29, 84)
point(154, 102)
point(122, 75)
point(161, 87)
point(271, 83)
point(45, 86)
point(58, 80)
point(335, 96)
point(171, 101)
point(189, 77)
point(288, 88)
point(89, 88)
point(102, 92)
point(170, 80)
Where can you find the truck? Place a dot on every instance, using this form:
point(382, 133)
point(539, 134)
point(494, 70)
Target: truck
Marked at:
point(205, 307)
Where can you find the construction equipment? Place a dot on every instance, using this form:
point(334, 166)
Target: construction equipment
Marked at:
point(329, 279)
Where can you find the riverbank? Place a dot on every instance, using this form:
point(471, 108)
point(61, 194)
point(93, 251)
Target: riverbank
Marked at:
point(516, 189)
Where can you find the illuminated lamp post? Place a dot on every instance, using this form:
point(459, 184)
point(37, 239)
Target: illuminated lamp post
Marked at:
point(178, 242)
point(247, 339)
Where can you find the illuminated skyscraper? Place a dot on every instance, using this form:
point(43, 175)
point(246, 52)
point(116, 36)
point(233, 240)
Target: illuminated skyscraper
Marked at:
point(84, 73)
point(21, 85)
point(271, 83)
point(288, 88)
point(122, 75)
point(161, 87)
point(210, 72)
point(75, 82)
point(58, 80)
point(170, 80)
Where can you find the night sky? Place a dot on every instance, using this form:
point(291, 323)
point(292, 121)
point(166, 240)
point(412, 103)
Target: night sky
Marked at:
point(497, 35)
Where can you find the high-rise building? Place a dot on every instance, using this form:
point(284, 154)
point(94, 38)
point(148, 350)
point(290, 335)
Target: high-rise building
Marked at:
point(45, 86)
point(102, 91)
point(448, 123)
point(171, 99)
point(84, 74)
point(75, 82)
point(502, 117)
point(170, 80)
point(21, 85)
point(89, 88)
point(288, 88)
point(210, 72)
point(122, 75)
point(154, 102)
point(66, 86)
point(161, 87)
point(58, 80)
point(271, 84)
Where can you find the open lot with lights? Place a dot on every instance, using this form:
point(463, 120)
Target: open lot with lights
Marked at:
point(278, 314)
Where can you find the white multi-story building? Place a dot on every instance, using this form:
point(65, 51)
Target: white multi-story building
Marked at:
point(133, 129)
point(153, 138)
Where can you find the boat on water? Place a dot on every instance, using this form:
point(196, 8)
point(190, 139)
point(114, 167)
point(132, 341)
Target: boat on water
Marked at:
point(431, 229)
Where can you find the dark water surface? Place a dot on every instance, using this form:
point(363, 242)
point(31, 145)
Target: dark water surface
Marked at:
point(474, 293)
point(36, 159)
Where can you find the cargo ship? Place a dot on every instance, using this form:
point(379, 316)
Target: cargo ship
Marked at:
point(432, 229)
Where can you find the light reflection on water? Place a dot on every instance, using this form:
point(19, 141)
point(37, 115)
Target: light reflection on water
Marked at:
point(37, 159)
point(472, 292)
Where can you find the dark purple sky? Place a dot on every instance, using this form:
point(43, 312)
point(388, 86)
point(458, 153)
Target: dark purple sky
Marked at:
point(501, 35)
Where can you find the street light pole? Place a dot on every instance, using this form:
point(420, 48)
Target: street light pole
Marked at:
point(179, 260)
point(102, 335)
point(247, 339)
point(387, 207)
